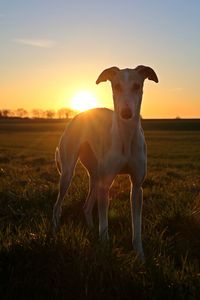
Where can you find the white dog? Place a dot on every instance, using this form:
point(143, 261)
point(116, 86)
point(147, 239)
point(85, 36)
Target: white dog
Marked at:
point(108, 143)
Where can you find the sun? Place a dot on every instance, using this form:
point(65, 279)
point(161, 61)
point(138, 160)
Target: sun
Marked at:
point(83, 100)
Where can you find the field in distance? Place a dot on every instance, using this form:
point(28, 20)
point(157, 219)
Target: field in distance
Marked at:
point(74, 265)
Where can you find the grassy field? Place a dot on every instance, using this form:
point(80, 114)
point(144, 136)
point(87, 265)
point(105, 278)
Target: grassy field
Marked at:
point(74, 265)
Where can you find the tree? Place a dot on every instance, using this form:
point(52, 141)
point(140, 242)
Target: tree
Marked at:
point(64, 113)
point(5, 113)
point(37, 113)
point(50, 114)
point(22, 113)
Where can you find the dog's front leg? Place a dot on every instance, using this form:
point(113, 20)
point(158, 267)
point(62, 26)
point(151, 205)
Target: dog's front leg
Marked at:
point(103, 205)
point(136, 200)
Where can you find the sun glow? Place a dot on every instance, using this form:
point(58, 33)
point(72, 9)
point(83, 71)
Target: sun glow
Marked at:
point(83, 101)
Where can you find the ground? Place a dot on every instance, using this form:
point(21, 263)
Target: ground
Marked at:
point(74, 264)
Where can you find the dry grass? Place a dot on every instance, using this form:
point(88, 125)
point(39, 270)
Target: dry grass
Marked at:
point(74, 265)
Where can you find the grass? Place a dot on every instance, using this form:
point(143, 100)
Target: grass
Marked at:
point(74, 265)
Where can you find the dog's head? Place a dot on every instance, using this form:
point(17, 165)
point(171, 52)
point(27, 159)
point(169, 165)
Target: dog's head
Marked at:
point(127, 86)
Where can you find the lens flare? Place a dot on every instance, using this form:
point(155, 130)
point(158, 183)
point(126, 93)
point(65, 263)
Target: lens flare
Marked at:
point(83, 101)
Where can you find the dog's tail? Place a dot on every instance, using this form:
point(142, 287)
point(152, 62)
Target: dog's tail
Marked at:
point(58, 161)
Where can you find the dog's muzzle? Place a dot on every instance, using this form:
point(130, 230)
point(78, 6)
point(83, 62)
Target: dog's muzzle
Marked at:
point(126, 113)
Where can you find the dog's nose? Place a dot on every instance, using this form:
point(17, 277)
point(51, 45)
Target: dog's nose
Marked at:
point(126, 113)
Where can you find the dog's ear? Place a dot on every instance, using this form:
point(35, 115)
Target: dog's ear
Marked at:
point(147, 72)
point(107, 74)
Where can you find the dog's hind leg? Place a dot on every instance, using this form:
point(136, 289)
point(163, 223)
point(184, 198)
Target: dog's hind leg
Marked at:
point(90, 201)
point(68, 162)
point(89, 161)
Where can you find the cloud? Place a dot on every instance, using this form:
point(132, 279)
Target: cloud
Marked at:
point(40, 43)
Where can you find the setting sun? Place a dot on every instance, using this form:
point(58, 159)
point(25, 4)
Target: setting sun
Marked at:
point(83, 101)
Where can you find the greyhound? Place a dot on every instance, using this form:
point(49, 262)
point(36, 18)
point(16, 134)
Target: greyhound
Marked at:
point(108, 143)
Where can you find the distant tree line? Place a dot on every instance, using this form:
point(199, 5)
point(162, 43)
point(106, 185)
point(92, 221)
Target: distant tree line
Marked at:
point(63, 113)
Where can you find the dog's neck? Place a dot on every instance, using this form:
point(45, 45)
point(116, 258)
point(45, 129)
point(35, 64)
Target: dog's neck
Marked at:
point(124, 133)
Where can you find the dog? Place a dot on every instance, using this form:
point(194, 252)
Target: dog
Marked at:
point(108, 143)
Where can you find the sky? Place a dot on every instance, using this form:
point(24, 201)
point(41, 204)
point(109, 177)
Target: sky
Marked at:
point(50, 50)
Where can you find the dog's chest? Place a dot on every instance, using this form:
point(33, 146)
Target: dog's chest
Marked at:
point(112, 163)
point(123, 160)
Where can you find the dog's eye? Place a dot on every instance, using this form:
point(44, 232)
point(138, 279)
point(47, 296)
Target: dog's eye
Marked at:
point(135, 87)
point(118, 88)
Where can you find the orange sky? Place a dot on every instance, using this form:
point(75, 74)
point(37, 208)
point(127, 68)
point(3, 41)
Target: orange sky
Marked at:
point(48, 89)
point(51, 52)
